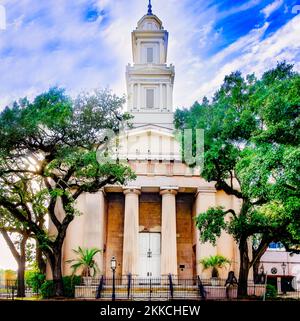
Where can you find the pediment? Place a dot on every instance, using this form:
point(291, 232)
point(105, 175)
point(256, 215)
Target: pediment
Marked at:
point(149, 142)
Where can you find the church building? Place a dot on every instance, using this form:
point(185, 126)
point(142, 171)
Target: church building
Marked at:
point(148, 225)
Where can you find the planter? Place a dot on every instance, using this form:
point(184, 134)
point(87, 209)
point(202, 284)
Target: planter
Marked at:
point(215, 281)
point(87, 280)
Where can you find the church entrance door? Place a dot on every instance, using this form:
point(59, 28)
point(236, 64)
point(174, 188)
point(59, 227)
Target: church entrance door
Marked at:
point(149, 253)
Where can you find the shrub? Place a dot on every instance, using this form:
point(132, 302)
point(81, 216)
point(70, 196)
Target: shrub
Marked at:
point(214, 262)
point(34, 279)
point(69, 285)
point(85, 260)
point(47, 289)
point(271, 292)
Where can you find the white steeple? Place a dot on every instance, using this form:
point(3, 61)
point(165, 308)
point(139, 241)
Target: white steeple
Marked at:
point(150, 80)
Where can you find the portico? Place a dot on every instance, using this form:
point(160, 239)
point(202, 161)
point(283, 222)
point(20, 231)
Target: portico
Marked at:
point(150, 229)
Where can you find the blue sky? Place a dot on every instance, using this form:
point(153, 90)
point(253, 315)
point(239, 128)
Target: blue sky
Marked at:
point(85, 44)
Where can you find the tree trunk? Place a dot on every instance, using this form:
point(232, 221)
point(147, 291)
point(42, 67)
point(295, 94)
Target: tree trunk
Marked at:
point(21, 268)
point(256, 271)
point(55, 263)
point(244, 268)
point(21, 279)
point(39, 259)
point(19, 257)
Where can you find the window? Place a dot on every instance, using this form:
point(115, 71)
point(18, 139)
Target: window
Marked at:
point(149, 98)
point(149, 55)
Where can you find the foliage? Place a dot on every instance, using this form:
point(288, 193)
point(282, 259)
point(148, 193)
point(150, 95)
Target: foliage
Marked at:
point(9, 275)
point(85, 261)
point(34, 279)
point(69, 282)
point(211, 222)
point(271, 292)
point(252, 152)
point(53, 149)
point(214, 262)
point(47, 289)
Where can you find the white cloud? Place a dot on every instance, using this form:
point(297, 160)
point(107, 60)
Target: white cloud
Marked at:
point(87, 56)
point(272, 7)
point(254, 55)
point(246, 6)
point(31, 67)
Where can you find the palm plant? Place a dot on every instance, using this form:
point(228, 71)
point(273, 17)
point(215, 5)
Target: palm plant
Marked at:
point(214, 262)
point(85, 261)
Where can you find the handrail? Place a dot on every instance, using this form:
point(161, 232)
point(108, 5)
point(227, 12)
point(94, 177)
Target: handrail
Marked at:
point(201, 289)
point(171, 286)
point(100, 288)
point(129, 280)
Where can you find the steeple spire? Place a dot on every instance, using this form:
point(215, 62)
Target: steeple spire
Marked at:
point(149, 9)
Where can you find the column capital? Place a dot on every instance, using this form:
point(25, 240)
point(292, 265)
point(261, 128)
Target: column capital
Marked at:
point(168, 190)
point(132, 190)
point(206, 190)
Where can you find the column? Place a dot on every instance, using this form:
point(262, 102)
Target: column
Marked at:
point(139, 95)
point(161, 107)
point(225, 243)
point(131, 97)
point(205, 198)
point(95, 226)
point(171, 97)
point(161, 52)
point(168, 231)
point(75, 235)
point(168, 96)
point(131, 232)
point(138, 52)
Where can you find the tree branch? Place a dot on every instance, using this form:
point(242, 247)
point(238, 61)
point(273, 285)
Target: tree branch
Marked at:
point(232, 212)
point(222, 185)
point(258, 253)
point(10, 244)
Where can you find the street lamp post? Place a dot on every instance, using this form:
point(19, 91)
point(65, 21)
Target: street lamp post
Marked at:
point(283, 265)
point(113, 266)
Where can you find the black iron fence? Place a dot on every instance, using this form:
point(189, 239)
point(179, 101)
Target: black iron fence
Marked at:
point(9, 290)
point(147, 289)
point(163, 288)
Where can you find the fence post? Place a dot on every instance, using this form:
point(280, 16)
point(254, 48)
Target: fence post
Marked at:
point(129, 285)
point(201, 289)
point(171, 286)
point(100, 287)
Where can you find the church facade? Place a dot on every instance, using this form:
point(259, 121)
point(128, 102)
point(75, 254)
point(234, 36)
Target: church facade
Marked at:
point(148, 225)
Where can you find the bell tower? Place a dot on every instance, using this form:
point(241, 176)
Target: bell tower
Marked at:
point(150, 80)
